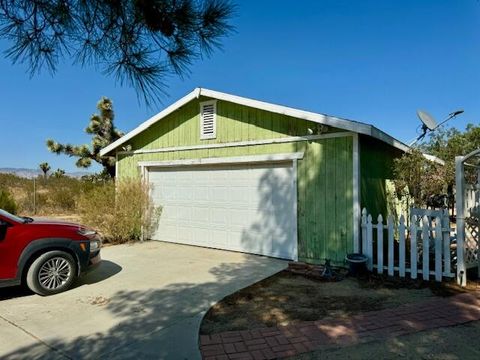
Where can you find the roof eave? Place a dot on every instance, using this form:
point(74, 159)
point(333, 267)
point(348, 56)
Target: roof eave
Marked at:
point(349, 125)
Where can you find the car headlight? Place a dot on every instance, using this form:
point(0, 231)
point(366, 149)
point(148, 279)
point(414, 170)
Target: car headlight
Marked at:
point(95, 245)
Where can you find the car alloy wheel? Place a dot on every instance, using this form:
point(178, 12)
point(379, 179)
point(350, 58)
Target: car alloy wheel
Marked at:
point(54, 273)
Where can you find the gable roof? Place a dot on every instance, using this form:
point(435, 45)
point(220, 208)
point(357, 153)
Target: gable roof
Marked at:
point(349, 125)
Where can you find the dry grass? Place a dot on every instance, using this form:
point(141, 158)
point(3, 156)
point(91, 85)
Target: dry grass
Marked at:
point(52, 195)
point(286, 298)
point(121, 213)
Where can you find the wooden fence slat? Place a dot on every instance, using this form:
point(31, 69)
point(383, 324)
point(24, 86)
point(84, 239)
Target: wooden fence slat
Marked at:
point(413, 247)
point(364, 231)
point(438, 249)
point(401, 243)
point(425, 248)
point(390, 245)
point(380, 244)
point(446, 242)
point(370, 242)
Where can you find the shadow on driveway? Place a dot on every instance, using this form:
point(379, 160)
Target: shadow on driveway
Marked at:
point(142, 315)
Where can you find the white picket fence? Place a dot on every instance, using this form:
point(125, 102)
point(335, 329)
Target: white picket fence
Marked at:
point(425, 239)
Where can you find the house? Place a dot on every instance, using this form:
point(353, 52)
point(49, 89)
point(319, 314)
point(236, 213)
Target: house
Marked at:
point(244, 175)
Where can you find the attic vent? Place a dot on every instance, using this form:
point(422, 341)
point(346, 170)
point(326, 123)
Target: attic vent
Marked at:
point(208, 117)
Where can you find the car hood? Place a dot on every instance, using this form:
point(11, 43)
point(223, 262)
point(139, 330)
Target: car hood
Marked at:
point(46, 221)
point(57, 222)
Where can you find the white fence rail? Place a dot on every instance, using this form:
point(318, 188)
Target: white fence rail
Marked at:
point(421, 248)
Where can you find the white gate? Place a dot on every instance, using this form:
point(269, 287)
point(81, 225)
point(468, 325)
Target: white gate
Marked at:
point(422, 247)
point(468, 214)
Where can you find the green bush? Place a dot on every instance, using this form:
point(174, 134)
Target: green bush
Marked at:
point(121, 213)
point(7, 202)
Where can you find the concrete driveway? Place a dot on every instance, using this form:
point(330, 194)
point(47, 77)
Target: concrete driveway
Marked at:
point(146, 301)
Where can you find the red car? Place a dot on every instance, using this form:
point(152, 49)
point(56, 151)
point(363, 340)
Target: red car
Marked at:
point(46, 255)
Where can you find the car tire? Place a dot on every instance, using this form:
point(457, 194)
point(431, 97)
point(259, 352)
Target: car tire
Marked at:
point(52, 273)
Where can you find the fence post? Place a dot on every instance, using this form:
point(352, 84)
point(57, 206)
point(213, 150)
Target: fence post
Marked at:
point(413, 247)
point(438, 249)
point(390, 245)
point(446, 242)
point(425, 248)
point(364, 231)
point(370, 242)
point(34, 197)
point(401, 243)
point(380, 244)
point(460, 207)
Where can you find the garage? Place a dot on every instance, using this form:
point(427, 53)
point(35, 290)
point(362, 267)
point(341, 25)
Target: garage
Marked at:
point(240, 174)
point(246, 207)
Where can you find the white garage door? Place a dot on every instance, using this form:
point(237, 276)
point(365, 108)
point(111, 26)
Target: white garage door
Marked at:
point(248, 208)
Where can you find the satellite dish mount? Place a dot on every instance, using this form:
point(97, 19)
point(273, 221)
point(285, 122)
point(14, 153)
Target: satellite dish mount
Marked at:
point(430, 124)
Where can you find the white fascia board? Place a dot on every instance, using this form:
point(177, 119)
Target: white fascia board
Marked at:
point(250, 159)
point(434, 159)
point(167, 111)
point(349, 125)
point(380, 135)
point(284, 110)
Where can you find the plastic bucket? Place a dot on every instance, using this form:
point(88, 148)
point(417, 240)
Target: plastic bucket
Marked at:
point(357, 264)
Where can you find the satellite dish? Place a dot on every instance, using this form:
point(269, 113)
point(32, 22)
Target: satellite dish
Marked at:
point(429, 123)
point(427, 120)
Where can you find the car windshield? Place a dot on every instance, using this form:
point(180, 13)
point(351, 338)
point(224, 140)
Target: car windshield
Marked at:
point(12, 217)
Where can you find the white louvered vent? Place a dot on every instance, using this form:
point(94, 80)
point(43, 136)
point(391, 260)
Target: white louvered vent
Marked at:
point(208, 120)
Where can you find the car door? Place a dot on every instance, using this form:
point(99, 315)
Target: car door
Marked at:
point(8, 250)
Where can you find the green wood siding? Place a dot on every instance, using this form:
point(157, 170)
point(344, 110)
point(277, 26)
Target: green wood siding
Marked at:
point(325, 174)
point(376, 168)
point(234, 123)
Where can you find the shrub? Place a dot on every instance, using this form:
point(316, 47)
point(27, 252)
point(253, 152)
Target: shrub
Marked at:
point(121, 215)
point(7, 202)
point(62, 193)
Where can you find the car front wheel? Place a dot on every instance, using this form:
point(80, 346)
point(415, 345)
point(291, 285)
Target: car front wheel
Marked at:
point(51, 273)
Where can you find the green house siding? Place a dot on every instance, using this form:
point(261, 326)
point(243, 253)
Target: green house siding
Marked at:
point(324, 175)
point(376, 168)
point(325, 200)
point(234, 123)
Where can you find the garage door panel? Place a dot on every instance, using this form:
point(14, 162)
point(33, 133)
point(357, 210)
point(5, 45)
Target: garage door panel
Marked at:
point(242, 208)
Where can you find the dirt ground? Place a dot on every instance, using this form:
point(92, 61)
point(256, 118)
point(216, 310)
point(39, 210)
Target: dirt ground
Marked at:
point(286, 298)
point(450, 343)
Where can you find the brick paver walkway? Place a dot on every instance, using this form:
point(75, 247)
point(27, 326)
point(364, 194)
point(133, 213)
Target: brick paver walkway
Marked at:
point(279, 342)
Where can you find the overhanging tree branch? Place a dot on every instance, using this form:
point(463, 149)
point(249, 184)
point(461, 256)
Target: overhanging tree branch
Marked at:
point(138, 42)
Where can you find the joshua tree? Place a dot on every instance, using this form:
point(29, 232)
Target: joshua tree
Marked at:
point(59, 173)
point(45, 169)
point(103, 133)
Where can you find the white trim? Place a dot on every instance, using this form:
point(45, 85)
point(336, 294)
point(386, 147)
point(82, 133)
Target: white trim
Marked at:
point(295, 207)
point(204, 136)
point(433, 159)
point(223, 160)
point(167, 111)
point(356, 195)
point(284, 110)
point(339, 123)
point(242, 143)
point(116, 165)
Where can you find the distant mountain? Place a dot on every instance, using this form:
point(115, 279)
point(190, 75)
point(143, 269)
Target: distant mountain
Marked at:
point(31, 173)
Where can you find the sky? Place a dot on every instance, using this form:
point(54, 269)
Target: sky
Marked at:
point(371, 61)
